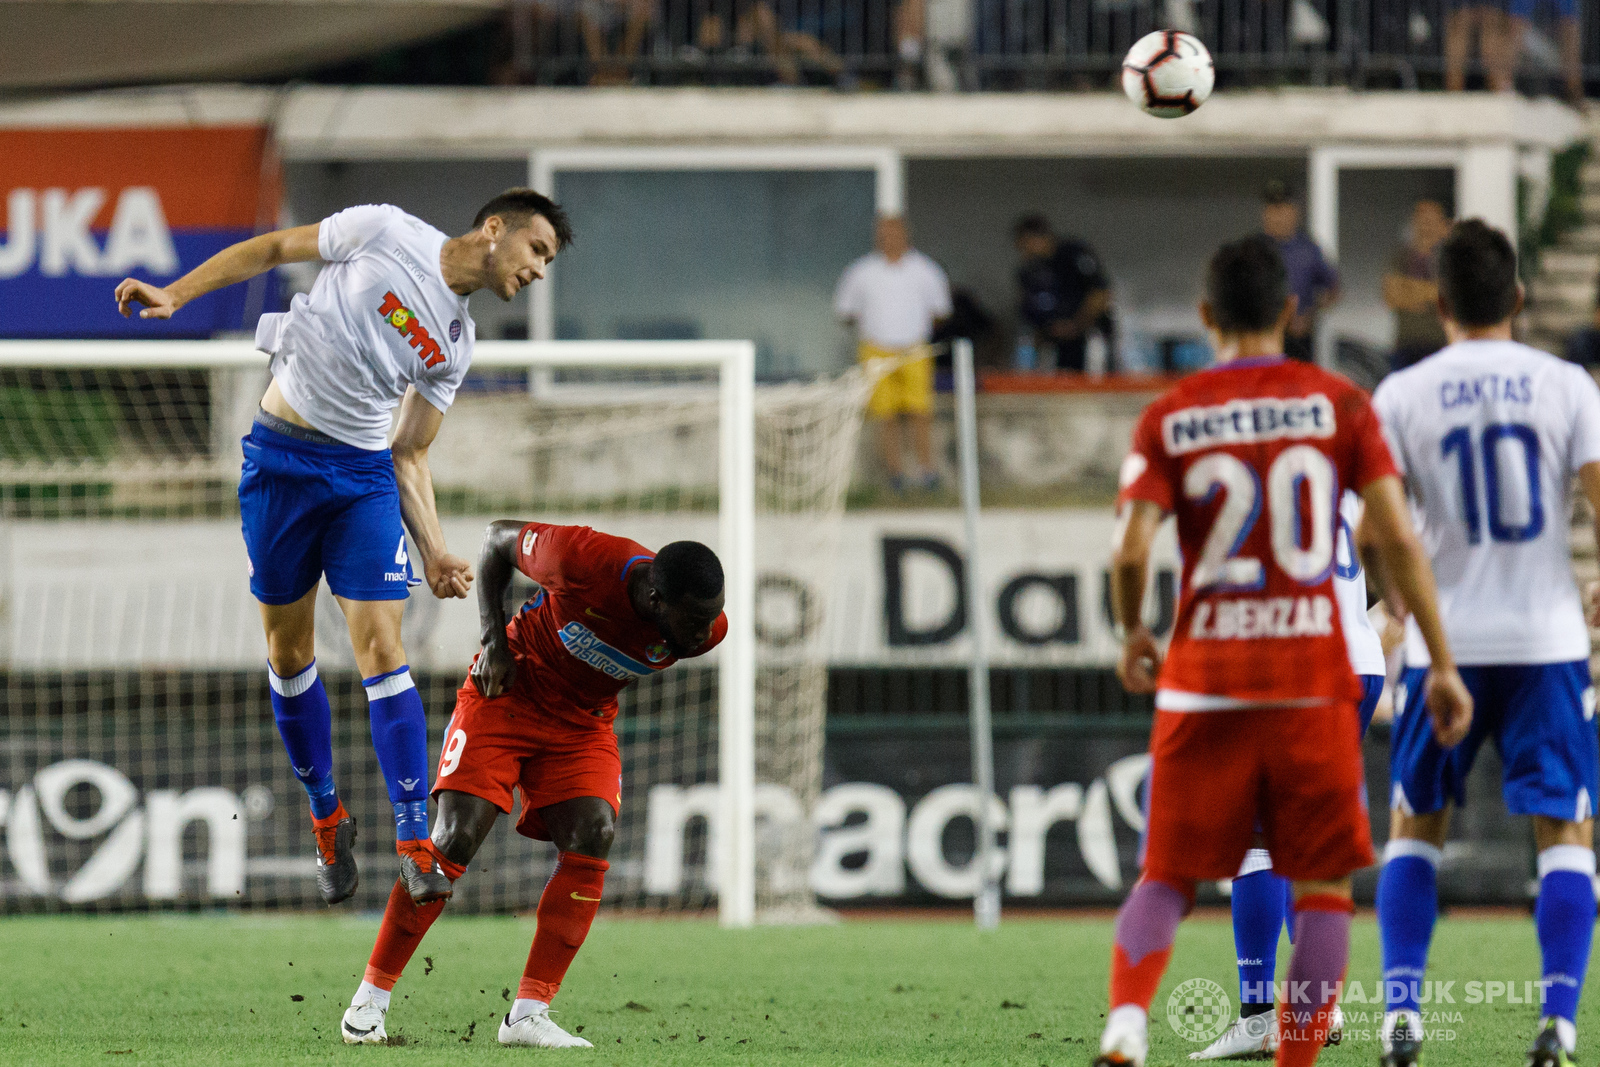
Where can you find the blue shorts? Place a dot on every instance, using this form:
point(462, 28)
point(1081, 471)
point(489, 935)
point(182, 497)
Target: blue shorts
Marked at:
point(1371, 691)
point(1524, 9)
point(310, 509)
point(1541, 717)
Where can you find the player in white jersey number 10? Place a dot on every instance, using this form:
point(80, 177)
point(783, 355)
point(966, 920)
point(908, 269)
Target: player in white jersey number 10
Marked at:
point(1489, 435)
point(324, 492)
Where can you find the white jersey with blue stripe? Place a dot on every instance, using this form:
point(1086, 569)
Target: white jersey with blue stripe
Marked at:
point(1350, 588)
point(1489, 435)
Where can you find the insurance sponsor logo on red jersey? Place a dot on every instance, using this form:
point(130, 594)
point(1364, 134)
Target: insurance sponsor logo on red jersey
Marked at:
point(84, 209)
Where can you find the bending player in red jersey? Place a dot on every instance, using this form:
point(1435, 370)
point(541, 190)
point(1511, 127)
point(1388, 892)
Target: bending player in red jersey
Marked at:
point(536, 714)
point(1256, 719)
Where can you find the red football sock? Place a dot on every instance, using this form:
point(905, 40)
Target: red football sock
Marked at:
point(566, 909)
point(1316, 972)
point(404, 925)
point(1145, 927)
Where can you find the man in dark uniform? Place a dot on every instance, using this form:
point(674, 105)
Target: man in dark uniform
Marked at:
point(1312, 280)
point(1065, 294)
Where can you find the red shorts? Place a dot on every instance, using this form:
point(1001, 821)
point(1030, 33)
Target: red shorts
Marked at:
point(1294, 772)
point(494, 745)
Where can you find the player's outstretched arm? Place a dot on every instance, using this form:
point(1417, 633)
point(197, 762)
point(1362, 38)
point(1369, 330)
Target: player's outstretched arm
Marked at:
point(448, 576)
point(495, 671)
point(1130, 566)
point(236, 263)
point(1389, 532)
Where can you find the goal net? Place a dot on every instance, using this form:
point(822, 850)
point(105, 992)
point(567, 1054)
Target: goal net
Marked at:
point(141, 765)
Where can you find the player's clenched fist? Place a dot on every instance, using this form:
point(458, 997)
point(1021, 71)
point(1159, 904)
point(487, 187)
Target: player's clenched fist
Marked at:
point(449, 577)
point(159, 303)
point(1450, 705)
point(1140, 661)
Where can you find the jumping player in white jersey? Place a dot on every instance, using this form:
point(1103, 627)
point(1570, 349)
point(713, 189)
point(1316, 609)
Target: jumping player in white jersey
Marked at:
point(324, 491)
point(1489, 435)
point(1261, 899)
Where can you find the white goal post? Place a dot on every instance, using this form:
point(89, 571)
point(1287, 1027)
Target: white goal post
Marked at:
point(734, 364)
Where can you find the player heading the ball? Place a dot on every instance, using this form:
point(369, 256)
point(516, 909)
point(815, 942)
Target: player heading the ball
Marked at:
point(536, 714)
point(1490, 435)
point(1256, 719)
point(323, 490)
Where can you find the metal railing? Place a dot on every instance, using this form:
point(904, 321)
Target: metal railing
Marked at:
point(997, 44)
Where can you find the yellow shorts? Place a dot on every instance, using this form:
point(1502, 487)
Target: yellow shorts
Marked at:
point(905, 391)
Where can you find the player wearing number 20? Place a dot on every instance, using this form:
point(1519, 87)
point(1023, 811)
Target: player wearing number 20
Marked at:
point(1256, 703)
point(1489, 435)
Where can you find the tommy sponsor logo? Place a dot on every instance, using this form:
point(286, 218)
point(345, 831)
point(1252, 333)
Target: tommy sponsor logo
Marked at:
point(1243, 422)
point(585, 646)
point(410, 327)
point(1278, 616)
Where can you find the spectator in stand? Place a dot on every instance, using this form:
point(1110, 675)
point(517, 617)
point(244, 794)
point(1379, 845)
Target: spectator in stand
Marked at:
point(1314, 283)
point(1411, 287)
point(1583, 347)
point(1571, 42)
point(756, 23)
point(603, 21)
point(893, 298)
point(1065, 294)
point(1493, 28)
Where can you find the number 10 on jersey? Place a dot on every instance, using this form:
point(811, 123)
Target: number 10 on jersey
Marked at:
point(1458, 443)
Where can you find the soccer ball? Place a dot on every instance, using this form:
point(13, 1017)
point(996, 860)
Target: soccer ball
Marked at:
point(1168, 74)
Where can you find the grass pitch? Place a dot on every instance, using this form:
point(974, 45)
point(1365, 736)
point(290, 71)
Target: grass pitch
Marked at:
point(178, 990)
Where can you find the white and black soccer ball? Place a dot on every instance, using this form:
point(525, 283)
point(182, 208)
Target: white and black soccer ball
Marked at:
point(1168, 73)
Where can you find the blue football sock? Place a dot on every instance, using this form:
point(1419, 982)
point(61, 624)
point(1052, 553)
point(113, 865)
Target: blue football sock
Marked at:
point(1258, 900)
point(400, 738)
point(1408, 904)
point(300, 706)
point(1565, 919)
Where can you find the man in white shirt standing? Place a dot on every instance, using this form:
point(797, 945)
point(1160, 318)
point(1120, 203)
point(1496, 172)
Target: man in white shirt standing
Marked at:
point(893, 297)
point(324, 491)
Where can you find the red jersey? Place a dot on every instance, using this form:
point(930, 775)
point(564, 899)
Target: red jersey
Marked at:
point(1252, 456)
point(578, 642)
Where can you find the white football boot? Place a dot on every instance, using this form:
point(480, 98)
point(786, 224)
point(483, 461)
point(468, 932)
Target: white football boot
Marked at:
point(538, 1031)
point(1335, 1026)
point(363, 1024)
point(1126, 1041)
point(1249, 1037)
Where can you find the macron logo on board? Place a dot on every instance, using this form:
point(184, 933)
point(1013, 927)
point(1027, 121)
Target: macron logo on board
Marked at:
point(53, 228)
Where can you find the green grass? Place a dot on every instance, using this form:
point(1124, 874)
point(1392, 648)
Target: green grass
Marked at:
point(220, 990)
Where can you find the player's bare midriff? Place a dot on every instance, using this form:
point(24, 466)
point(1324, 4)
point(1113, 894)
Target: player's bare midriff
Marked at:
point(273, 403)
